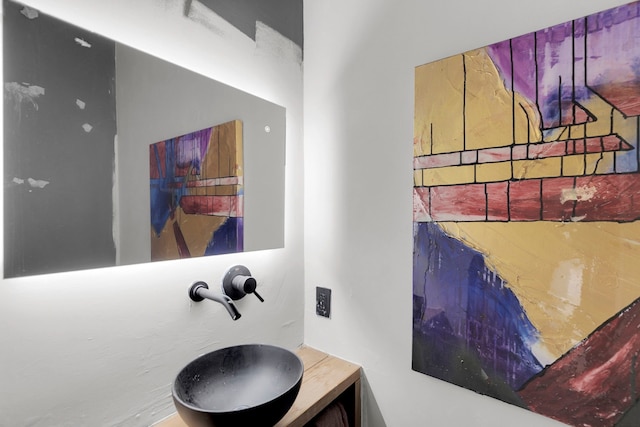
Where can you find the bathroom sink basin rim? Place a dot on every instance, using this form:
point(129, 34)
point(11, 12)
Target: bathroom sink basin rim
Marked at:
point(237, 384)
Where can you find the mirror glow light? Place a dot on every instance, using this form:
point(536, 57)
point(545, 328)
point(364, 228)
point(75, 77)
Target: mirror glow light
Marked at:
point(80, 114)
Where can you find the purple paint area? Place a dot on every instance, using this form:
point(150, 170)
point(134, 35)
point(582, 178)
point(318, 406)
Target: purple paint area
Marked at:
point(548, 67)
point(524, 64)
point(192, 148)
point(465, 314)
point(182, 156)
point(164, 198)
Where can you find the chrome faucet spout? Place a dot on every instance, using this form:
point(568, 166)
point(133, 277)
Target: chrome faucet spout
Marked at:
point(200, 290)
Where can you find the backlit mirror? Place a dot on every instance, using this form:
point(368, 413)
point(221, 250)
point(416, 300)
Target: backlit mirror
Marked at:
point(91, 126)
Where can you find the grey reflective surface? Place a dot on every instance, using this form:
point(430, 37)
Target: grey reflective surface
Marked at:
point(80, 114)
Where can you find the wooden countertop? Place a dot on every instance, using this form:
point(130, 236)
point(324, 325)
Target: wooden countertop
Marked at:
point(325, 378)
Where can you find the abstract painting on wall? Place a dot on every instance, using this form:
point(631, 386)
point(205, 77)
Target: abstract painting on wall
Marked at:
point(197, 193)
point(526, 205)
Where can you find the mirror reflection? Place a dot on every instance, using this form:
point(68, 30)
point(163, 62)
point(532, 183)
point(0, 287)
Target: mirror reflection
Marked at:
point(81, 115)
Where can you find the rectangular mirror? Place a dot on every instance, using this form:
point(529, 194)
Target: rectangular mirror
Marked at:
point(81, 113)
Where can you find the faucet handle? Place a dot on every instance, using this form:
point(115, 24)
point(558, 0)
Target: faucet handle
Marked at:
point(258, 296)
point(245, 284)
point(237, 282)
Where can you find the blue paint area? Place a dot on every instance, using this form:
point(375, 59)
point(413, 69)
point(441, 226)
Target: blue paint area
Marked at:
point(182, 156)
point(164, 197)
point(228, 238)
point(469, 327)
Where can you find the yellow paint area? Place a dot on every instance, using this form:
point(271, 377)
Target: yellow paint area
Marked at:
point(577, 131)
point(539, 168)
point(197, 231)
point(573, 165)
point(491, 172)
point(626, 128)
point(439, 107)
point(448, 175)
point(569, 277)
point(489, 113)
point(525, 125)
point(600, 126)
point(417, 178)
point(224, 157)
point(587, 164)
point(452, 114)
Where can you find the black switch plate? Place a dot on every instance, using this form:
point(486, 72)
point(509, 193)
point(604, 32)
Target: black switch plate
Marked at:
point(323, 302)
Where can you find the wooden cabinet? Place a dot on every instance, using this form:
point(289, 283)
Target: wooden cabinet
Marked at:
point(327, 379)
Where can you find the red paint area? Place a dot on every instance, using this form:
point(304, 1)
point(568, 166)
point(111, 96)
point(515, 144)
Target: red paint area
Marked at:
point(624, 96)
point(448, 201)
point(556, 203)
point(525, 200)
point(580, 115)
point(590, 198)
point(539, 150)
point(574, 114)
point(497, 201)
point(491, 155)
point(597, 381)
point(183, 249)
point(157, 164)
point(615, 198)
point(551, 149)
point(212, 205)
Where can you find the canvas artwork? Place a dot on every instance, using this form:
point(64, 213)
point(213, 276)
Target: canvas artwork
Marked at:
point(526, 205)
point(197, 193)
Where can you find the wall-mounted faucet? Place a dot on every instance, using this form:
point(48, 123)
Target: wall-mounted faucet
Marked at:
point(236, 283)
point(200, 290)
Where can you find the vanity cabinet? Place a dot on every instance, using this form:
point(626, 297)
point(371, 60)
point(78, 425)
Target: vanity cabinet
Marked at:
point(327, 380)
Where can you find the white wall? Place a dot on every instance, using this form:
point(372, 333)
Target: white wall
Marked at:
point(101, 347)
point(360, 57)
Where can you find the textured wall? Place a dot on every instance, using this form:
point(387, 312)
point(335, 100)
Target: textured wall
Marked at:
point(101, 347)
point(360, 59)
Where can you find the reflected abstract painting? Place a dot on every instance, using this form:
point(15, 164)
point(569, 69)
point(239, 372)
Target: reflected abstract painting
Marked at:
point(526, 279)
point(197, 193)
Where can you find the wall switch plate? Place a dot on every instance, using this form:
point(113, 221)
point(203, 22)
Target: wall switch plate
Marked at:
point(323, 302)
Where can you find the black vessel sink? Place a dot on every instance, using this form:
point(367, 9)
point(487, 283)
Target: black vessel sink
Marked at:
point(246, 385)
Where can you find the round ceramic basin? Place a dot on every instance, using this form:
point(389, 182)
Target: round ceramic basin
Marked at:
point(244, 385)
